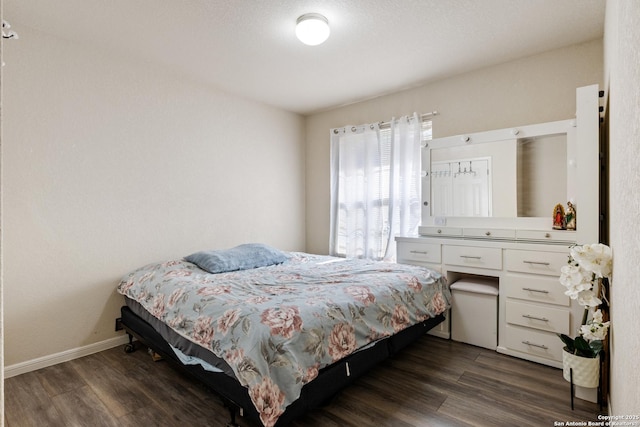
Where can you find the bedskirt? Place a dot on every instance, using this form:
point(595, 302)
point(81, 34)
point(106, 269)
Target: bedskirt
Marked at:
point(325, 386)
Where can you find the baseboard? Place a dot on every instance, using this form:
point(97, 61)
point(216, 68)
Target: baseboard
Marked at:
point(440, 334)
point(65, 356)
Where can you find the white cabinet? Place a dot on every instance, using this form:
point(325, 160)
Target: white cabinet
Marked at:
point(546, 236)
point(533, 343)
point(419, 252)
point(537, 316)
point(534, 288)
point(471, 256)
point(516, 243)
point(535, 262)
point(532, 306)
point(536, 309)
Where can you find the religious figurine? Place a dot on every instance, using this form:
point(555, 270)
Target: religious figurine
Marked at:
point(559, 218)
point(570, 217)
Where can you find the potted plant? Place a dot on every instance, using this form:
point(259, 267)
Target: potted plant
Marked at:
point(588, 267)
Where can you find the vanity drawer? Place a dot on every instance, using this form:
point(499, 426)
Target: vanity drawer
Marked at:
point(550, 236)
point(534, 342)
point(440, 231)
point(489, 233)
point(472, 256)
point(538, 317)
point(543, 289)
point(420, 252)
point(548, 263)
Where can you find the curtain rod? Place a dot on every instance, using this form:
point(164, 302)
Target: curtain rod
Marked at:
point(385, 125)
point(422, 117)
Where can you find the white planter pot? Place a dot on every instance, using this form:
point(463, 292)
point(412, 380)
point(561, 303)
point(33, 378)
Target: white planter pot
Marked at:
point(586, 370)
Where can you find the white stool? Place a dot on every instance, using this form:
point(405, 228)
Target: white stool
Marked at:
point(474, 312)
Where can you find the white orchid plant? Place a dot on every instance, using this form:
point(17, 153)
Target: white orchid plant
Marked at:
point(587, 266)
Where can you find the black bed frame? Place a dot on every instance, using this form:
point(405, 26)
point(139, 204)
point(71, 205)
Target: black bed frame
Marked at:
point(327, 384)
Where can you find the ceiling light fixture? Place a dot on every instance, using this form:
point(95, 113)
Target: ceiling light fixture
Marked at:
point(312, 29)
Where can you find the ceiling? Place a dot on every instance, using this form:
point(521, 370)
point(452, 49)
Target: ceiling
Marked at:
point(248, 47)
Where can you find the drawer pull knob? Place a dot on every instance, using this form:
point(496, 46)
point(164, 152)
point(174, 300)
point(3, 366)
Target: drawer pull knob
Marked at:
point(542, 291)
point(528, 316)
point(439, 231)
point(419, 252)
point(536, 262)
point(544, 347)
point(547, 235)
point(488, 233)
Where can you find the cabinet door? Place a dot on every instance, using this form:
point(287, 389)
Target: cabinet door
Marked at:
point(529, 287)
point(418, 252)
point(547, 236)
point(473, 256)
point(538, 316)
point(535, 262)
point(490, 233)
point(534, 342)
point(409, 252)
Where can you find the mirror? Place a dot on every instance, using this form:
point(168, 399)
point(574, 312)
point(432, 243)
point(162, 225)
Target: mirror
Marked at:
point(508, 173)
point(542, 174)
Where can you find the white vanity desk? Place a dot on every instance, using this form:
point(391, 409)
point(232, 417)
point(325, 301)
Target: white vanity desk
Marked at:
point(532, 306)
point(528, 170)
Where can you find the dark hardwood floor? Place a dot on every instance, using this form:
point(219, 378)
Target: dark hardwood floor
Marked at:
point(433, 382)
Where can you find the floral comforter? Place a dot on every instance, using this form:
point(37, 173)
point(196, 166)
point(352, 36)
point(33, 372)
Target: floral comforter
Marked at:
point(277, 326)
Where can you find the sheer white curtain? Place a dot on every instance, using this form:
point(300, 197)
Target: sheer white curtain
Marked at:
point(404, 180)
point(375, 187)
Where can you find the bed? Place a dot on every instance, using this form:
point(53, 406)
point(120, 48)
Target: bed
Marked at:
point(274, 333)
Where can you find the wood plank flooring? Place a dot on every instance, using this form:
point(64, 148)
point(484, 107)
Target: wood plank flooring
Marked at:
point(433, 382)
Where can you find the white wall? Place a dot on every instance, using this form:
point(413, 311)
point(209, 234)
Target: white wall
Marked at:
point(109, 164)
point(622, 56)
point(532, 90)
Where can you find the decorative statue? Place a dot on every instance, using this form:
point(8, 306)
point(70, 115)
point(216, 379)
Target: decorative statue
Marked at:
point(570, 217)
point(559, 218)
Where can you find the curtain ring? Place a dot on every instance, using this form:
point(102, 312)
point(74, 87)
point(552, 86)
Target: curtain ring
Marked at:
point(353, 129)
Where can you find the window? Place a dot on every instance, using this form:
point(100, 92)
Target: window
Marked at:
point(375, 186)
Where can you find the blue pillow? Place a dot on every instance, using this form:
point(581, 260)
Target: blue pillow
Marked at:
point(242, 257)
